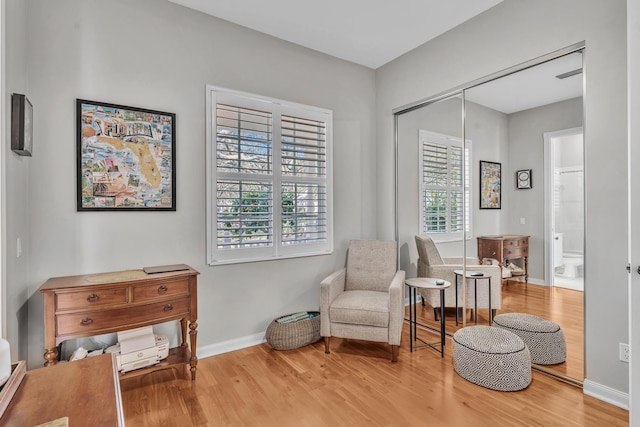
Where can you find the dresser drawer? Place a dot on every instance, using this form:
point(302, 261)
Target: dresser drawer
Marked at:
point(167, 289)
point(515, 252)
point(98, 321)
point(90, 298)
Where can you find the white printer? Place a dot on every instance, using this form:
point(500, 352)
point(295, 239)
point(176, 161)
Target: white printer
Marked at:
point(139, 348)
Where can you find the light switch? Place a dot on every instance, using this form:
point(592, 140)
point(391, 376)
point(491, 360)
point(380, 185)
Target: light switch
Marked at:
point(18, 247)
point(522, 221)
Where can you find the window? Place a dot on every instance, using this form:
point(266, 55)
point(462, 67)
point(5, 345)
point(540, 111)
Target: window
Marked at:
point(444, 188)
point(268, 178)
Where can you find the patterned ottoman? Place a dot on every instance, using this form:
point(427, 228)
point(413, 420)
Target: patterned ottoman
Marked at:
point(544, 338)
point(491, 357)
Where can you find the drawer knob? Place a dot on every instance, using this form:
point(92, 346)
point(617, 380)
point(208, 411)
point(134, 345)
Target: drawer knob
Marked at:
point(168, 307)
point(86, 321)
point(162, 289)
point(93, 298)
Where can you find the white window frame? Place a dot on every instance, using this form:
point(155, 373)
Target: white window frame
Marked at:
point(433, 138)
point(278, 250)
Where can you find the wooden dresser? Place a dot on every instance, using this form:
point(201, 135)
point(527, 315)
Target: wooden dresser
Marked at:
point(86, 392)
point(505, 248)
point(87, 305)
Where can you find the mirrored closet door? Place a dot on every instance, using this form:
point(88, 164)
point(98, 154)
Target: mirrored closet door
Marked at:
point(473, 174)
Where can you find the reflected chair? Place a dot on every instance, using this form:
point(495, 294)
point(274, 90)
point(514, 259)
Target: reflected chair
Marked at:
point(431, 264)
point(365, 300)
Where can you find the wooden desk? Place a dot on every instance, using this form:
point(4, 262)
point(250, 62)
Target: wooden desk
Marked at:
point(87, 305)
point(86, 391)
point(505, 248)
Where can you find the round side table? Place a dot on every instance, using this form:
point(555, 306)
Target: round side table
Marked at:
point(425, 283)
point(475, 276)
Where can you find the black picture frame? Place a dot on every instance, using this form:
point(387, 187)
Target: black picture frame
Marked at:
point(524, 179)
point(21, 125)
point(125, 158)
point(490, 185)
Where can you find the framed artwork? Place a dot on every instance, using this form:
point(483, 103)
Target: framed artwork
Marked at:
point(125, 158)
point(490, 185)
point(21, 125)
point(523, 179)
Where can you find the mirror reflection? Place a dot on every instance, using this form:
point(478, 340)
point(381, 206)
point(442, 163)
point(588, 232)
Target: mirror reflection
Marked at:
point(500, 194)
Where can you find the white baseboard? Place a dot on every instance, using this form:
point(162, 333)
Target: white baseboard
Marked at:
point(606, 394)
point(231, 345)
point(535, 281)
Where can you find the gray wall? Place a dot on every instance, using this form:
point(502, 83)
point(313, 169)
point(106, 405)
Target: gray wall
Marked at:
point(511, 33)
point(487, 131)
point(526, 151)
point(16, 186)
point(158, 55)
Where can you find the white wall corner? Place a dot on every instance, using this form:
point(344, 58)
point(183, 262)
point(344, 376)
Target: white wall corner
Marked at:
point(606, 394)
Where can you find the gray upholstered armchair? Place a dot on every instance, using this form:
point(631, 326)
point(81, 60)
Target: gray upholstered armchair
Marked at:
point(431, 264)
point(365, 300)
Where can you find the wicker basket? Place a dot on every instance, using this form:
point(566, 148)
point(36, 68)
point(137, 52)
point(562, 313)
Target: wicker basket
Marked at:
point(287, 336)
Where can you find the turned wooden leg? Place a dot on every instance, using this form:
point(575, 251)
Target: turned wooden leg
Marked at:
point(395, 349)
point(326, 345)
point(51, 356)
point(193, 362)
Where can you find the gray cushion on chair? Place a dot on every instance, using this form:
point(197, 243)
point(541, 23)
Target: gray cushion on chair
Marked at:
point(427, 251)
point(361, 308)
point(371, 265)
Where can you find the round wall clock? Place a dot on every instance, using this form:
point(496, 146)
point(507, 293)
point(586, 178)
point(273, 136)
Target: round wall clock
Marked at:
point(523, 178)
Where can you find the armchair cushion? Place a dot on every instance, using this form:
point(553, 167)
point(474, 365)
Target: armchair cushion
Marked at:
point(371, 264)
point(361, 308)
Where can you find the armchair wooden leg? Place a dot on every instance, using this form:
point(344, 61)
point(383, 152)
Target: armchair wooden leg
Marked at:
point(395, 349)
point(436, 313)
point(493, 312)
point(326, 345)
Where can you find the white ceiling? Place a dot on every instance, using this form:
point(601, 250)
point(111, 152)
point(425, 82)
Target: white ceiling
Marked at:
point(374, 32)
point(532, 87)
point(367, 32)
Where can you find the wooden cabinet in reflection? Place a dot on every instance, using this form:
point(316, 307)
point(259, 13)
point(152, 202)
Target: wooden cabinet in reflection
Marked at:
point(505, 248)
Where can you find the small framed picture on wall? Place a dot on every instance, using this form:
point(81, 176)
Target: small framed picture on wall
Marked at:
point(490, 185)
point(21, 125)
point(523, 179)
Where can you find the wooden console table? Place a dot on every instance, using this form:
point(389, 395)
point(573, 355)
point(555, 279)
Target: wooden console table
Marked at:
point(505, 248)
point(87, 305)
point(86, 392)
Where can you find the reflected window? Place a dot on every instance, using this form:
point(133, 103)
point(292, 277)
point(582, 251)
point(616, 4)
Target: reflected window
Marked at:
point(444, 187)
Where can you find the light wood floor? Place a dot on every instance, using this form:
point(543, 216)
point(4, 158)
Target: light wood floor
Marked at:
point(560, 305)
point(355, 385)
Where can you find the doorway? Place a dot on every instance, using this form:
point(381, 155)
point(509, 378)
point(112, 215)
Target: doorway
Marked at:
point(564, 169)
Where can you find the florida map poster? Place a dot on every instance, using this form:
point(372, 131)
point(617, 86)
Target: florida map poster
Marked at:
point(126, 158)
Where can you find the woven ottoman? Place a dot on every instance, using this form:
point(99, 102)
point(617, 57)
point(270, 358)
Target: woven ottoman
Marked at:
point(491, 357)
point(288, 336)
point(544, 338)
